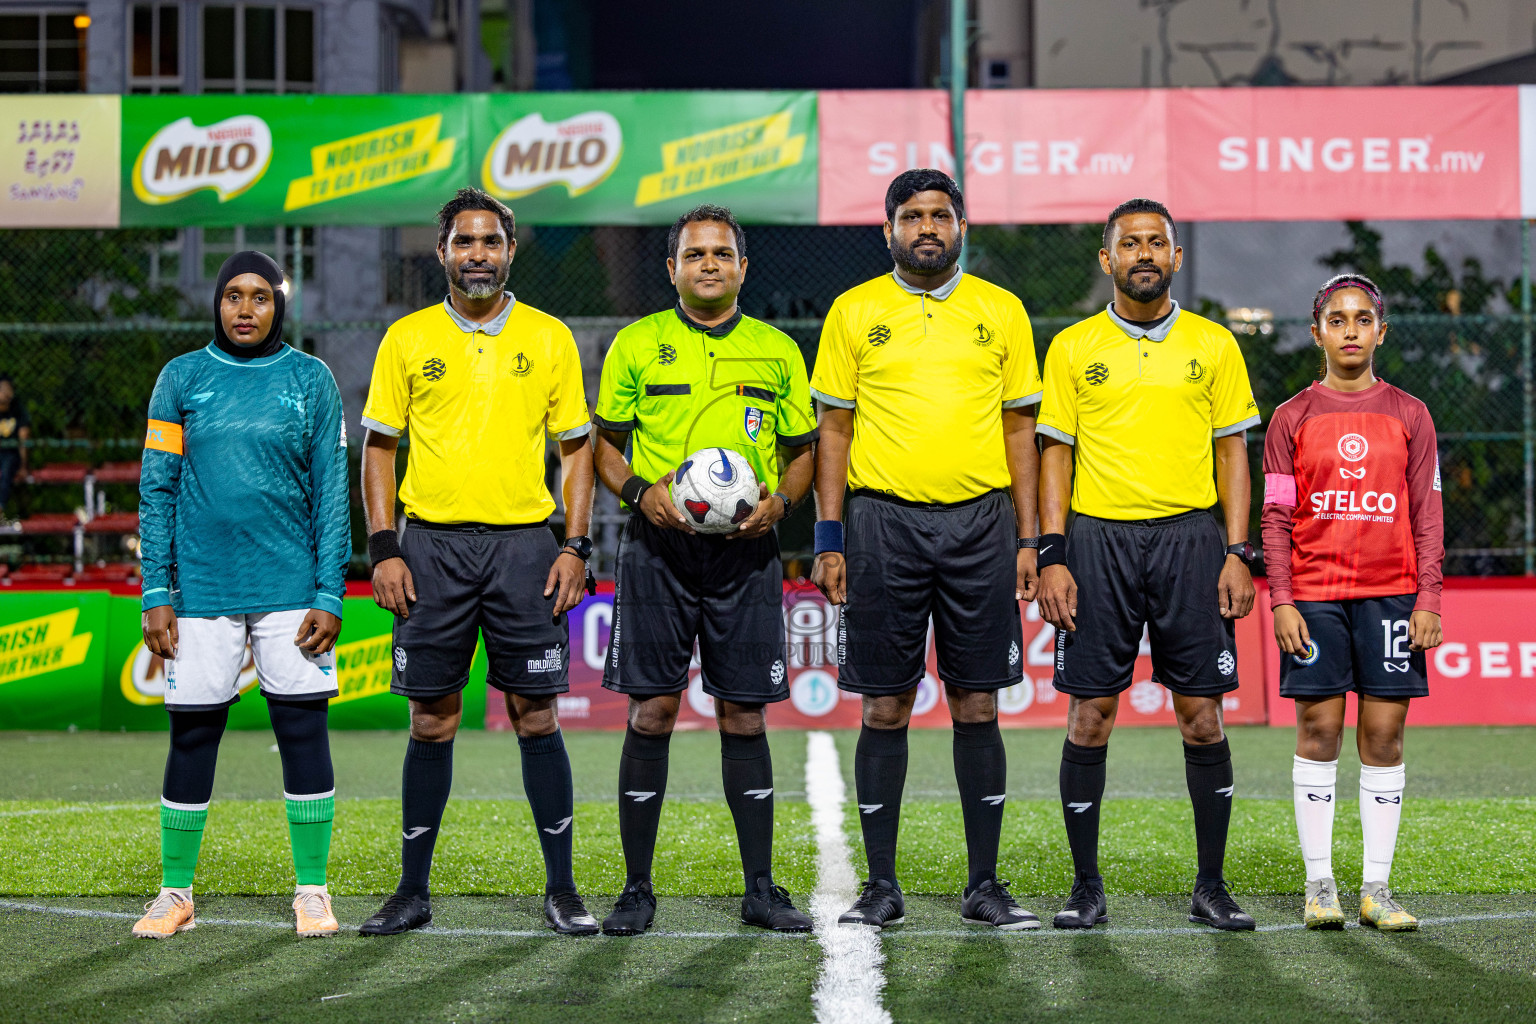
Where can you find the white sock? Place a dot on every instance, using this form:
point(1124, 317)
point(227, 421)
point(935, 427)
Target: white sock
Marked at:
point(1381, 808)
point(301, 890)
point(184, 893)
point(1312, 784)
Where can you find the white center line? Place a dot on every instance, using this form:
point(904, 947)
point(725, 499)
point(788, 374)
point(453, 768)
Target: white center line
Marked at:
point(848, 991)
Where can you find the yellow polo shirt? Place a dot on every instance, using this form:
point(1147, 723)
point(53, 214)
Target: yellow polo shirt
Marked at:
point(479, 400)
point(927, 375)
point(1142, 408)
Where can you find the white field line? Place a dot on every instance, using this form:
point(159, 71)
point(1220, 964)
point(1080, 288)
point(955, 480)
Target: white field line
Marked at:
point(848, 990)
point(77, 809)
point(898, 932)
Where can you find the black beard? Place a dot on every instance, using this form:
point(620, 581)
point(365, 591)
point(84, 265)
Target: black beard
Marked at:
point(1145, 292)
point(926, 266)
point(479, 290)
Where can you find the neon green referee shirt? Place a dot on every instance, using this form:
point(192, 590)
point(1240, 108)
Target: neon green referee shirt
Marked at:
point(676, 386)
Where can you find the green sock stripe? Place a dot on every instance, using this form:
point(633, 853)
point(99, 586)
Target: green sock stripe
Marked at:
point(182, 820)
point(309, 812)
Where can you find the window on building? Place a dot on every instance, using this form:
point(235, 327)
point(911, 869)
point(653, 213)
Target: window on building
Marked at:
point(258, 48)
point(276, 241)
point(43, 51)
point(154, 48)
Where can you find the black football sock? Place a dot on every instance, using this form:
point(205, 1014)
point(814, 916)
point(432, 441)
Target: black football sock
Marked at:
point(189, 766)
point(747, 769)
point(1208, 772)
point(547, 784)
point(642, 787)
point(981, 770)
point(1082, 792)
point(879, 775)
point(427, 780)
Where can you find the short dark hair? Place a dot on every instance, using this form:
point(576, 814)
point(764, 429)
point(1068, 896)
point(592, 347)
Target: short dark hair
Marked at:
point(1342, 281)
point(1131, 206)
point(473, 199)
point(922, 179)
point(707, 212)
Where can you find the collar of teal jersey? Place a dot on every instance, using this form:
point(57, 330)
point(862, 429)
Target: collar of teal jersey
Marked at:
point(223, 357)
point(941, 293)
point(1158, 333)
point(720, 330)
point(470, 327)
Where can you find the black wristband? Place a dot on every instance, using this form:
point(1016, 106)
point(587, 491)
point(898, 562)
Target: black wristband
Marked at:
point(383, 545)
point(1053, 550)
point(634, 488)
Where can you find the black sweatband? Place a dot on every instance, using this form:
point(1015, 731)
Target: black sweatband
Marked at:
point(382, 545)
point(1053, 550)
point(632, 491)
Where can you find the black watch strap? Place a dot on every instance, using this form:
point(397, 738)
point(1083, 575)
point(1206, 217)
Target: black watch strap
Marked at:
point(1029, 543)
point(1244, 551)
point(581, 547)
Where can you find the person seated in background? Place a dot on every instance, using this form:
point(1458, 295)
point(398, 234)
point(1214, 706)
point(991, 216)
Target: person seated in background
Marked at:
point(15, 431)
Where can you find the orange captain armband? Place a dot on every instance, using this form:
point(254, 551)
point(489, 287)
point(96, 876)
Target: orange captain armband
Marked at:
point(163, 436)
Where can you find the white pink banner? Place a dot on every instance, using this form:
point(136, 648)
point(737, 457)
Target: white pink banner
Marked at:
point(1483, 674)
point(815, 702)
point(1065, 156)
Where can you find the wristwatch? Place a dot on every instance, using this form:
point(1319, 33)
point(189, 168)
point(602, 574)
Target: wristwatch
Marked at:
point(1245, 551)
point(785, 498)
point(1029, 543)
point(581, 547)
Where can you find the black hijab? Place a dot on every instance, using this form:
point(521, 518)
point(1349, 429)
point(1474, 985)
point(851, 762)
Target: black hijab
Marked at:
point(250, 262)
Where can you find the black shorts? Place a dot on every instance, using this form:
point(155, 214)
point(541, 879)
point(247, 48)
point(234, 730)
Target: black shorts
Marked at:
point(670, 588)
point(907, 564)
point(1159, 575)
point(469, 583)
point(1359, 645)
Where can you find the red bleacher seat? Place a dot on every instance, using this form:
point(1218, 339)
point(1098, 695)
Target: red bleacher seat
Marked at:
point(113, 522)
point(59, 473)
point(111, 572)
point(117, 473)
point(39, 573)
point(51, 523)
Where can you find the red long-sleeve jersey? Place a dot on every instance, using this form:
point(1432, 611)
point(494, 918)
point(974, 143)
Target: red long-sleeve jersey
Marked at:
point(1352, 498)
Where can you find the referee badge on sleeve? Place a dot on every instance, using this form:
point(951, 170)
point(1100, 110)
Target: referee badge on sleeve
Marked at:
point(753, 422)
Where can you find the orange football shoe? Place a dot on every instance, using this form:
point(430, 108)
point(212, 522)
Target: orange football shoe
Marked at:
point(164, 916)
point(312, 908)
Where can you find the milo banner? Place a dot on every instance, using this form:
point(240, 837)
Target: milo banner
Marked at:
point(224, 160)
point(644, 158)
point(132, 695)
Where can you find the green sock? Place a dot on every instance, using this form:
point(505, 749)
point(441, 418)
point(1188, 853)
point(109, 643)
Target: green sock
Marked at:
point(181, 834)
point(309, 829)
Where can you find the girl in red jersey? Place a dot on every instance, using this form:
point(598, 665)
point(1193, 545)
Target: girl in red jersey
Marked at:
point(1353, 542)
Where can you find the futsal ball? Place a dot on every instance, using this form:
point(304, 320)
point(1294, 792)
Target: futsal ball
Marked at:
point(715, 489)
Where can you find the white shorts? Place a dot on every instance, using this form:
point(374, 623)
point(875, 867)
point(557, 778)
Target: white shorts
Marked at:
point(211, 655)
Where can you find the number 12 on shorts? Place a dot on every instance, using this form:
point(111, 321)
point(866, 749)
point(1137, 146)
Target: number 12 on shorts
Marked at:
point(1394, 638)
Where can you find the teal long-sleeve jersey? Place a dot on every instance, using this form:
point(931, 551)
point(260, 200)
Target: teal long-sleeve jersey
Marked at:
point(243, 503)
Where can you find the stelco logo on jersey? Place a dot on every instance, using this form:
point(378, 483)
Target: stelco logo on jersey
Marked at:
point(181, 158)
point(531, 153)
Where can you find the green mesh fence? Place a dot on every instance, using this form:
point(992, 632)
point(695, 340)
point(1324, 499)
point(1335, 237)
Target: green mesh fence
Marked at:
point(87, 319)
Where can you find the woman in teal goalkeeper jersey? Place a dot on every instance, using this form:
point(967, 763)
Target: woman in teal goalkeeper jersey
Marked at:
point(245, 541)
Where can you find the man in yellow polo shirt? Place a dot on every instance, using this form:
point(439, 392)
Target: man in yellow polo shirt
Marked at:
point(479, 381)
point(927, 384)
point(1141, 394)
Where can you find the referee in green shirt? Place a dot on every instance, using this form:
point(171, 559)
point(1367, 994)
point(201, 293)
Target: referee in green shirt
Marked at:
point(701, 375)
